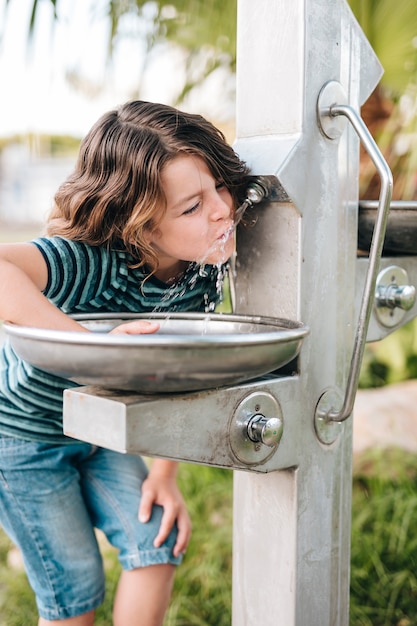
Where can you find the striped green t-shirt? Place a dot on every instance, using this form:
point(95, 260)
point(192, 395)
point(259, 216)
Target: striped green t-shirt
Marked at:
point(88, 279)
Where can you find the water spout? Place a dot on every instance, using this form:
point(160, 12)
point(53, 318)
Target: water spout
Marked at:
point(256, 192)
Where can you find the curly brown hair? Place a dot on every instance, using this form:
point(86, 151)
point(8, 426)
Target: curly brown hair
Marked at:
point(115, 196)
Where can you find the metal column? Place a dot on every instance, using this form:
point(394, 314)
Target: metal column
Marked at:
point(292, 527)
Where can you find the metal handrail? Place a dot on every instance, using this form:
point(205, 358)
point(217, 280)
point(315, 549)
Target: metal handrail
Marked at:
point(383, 204)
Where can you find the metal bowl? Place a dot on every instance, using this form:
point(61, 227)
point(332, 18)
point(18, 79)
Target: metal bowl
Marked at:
point(190, 351)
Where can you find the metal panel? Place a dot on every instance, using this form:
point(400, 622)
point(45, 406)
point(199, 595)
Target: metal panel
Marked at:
point(320, 177)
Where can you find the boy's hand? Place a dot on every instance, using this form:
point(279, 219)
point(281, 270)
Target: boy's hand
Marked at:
point(137, 327)
point(163, 490)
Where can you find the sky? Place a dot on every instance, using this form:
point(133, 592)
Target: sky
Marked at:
point(37, 96)
point(36, 93)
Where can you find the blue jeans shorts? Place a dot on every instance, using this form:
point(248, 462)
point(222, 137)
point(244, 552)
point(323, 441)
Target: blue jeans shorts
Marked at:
point(51, 499)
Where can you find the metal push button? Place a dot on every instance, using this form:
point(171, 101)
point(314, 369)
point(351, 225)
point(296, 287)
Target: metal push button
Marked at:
point(263, 430)
point(256, 428)
point(393, 296)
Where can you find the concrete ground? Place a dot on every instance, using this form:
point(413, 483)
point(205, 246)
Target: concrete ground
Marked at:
point(386, 417)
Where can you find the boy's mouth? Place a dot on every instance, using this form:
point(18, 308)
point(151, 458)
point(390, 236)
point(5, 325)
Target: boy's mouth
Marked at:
point(227, 234)
point(218, 244)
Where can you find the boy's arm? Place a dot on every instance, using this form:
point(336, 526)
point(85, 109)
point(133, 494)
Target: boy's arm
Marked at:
point(23, 276)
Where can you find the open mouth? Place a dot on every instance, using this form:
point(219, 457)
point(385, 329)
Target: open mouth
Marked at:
point(227, 234)
point(218, 246)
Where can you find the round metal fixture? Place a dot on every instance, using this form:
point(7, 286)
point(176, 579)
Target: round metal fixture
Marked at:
point(394, 296)
point(256, 428)
point(256, 191)
point(332, 126)
point(327, 430)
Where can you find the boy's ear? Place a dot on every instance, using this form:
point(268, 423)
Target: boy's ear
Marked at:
point(150, 235)
point(147, 235)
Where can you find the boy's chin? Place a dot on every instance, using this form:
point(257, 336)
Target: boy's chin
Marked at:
point(220, 255)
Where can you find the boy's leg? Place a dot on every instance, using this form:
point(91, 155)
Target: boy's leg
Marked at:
point(43, 512)
point(112, 485)
point(143, 596)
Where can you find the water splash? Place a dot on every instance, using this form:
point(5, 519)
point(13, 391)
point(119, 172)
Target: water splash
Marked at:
point(173, 294)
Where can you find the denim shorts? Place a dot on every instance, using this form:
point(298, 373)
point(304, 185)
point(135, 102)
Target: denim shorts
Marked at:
point(51, 499)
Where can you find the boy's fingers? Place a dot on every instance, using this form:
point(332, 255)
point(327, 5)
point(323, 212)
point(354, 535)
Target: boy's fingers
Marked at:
point(145, 508)
point(137, 327)
point(167, 522)
point(183, 538)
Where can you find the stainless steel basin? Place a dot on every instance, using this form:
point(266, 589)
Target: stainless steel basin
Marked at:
point(189, 352)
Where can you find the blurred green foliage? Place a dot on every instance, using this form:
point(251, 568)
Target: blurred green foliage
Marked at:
point(48, 145)
point(392, 359)
point(384, 540)
point(383, 564)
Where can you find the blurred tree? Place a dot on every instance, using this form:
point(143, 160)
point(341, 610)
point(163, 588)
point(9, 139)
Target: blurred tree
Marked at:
point(206, 30)
point(391, 110)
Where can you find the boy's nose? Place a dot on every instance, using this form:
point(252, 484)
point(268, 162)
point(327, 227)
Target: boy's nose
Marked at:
point(220, 209)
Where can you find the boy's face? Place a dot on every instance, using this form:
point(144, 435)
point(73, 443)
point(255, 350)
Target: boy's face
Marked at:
point(198, 223)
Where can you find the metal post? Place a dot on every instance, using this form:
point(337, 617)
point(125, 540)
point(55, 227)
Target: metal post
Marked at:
point(292, 527)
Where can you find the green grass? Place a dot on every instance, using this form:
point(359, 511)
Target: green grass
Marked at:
point(384, 541)
point(391, 360)
point(202, 589)
point(383, 564)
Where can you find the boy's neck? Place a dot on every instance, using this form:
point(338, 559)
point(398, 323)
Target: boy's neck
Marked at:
point(172, 274)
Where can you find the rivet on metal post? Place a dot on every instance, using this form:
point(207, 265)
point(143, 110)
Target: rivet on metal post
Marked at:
point(327, 109)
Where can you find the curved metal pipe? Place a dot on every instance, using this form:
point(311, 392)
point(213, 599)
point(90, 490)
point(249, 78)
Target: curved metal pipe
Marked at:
point(374, 256)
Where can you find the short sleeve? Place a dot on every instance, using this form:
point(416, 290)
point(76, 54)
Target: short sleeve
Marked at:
point(76, 271)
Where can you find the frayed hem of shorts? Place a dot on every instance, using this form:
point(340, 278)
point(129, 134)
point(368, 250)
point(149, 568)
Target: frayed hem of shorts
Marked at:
point(145, 558)
point(60, 613)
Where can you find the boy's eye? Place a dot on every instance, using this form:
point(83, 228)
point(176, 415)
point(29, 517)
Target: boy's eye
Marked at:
point(192, 209)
